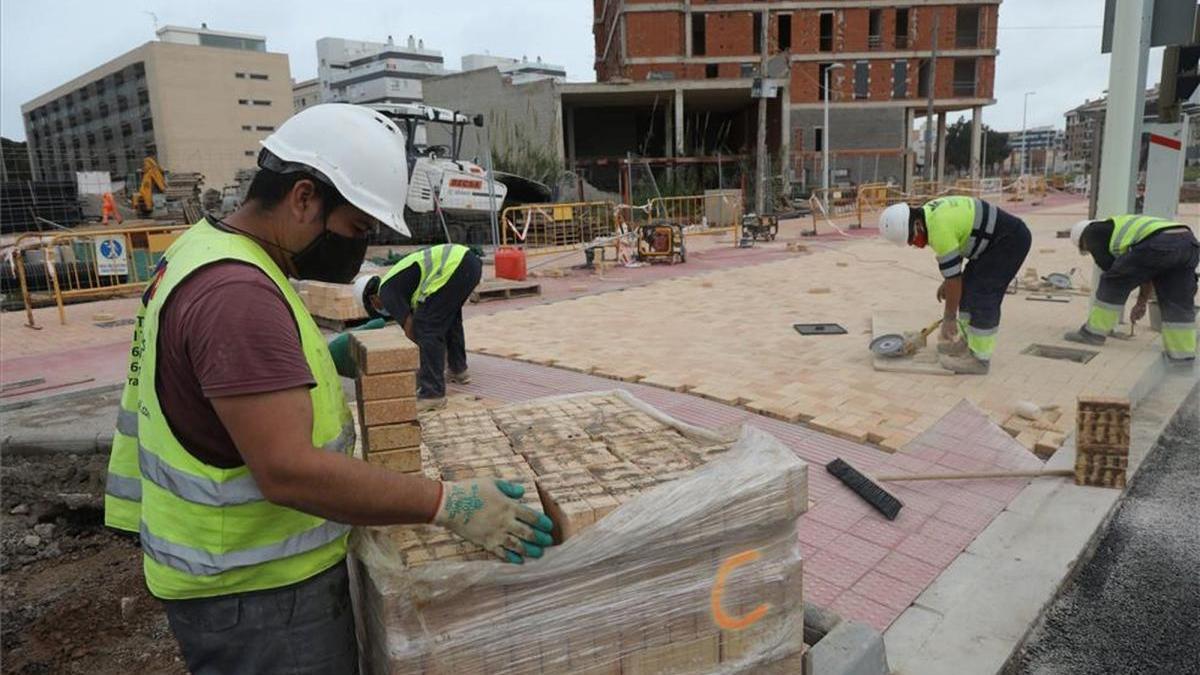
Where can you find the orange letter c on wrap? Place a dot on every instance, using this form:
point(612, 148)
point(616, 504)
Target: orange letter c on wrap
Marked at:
point(722, 619)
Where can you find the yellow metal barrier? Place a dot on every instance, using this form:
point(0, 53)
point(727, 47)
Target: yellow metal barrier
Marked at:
point(538, 226)
point(88, 264)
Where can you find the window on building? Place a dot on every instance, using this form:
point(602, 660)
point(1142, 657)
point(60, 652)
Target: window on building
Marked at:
point(698, 34)
point(822, 70)
point(818, 139)
point(107, 133)
point(240, 76)
point(785, 32)
point(151, 150)
point(862, 78)
point(964, 77)
point(259, 76)
point(923, 79)
point(710, 70)
point(966, 27)
point(264, 128)
point(126, 129)
point(91, 139)
point(122, 104)
point(143, 97)
point(902, 28)
point(249, 153)
point(261, 102)
point(874, 29)
point(900, 79)
point(245, 127)
point(756, 34)
point(102, 109)
point(148, 124)
point(826, 34)
point(243, 101)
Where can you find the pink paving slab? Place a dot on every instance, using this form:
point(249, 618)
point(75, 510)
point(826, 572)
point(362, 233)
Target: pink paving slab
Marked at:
point(857, 562)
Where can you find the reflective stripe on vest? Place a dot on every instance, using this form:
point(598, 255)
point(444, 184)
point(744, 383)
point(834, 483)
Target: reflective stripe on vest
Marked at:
point(203, 563)
point(982, 229)
point(447, 258)
point(127, 422)
point(206, 530)
point(201, 490)
point(123, 487)
point(1131, 229)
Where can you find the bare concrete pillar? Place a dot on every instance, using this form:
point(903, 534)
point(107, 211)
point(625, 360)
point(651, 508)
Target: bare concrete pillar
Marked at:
point(910, 157)
point(571, 137)
point(976, 141)
point(785, 135)
point(941, 148)
point(668, 131)
point(679, 136)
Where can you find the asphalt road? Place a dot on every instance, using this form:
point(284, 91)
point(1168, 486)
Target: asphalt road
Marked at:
point(1135, 606)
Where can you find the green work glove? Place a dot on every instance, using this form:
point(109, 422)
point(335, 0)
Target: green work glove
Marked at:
point(339, 348)
point(486, 512)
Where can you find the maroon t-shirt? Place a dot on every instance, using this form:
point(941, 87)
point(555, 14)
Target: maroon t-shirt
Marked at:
point(226, 330)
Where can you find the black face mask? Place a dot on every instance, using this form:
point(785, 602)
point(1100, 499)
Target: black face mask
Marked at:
point(331, 257)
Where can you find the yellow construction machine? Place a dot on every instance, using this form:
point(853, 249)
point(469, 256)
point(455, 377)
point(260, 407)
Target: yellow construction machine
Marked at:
point(152, 177)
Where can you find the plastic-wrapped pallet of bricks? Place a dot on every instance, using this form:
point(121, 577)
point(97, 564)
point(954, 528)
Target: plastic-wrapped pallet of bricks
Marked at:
point(386, 389)
point(1102, 441)
point(698, 574)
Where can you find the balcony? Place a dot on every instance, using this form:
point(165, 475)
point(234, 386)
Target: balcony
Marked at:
point(964, 88)
point(875, 42)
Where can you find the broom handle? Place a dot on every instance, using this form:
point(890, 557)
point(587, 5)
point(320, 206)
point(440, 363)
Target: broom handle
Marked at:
point(983, 474)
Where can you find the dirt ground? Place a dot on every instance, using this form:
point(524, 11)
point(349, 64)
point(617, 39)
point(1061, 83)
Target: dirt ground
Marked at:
point(73, 598)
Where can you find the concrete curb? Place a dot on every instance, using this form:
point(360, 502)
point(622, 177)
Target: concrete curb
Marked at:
point(841, 647)
point(979, 611)
point(26, 446)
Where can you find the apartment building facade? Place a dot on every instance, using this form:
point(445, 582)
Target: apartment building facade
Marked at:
point(195, 100)
point(356, 71)
point(518, 71)
point(879, 57)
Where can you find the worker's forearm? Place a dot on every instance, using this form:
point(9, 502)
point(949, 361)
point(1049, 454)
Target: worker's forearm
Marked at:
point(953, 296)
point(347, 490)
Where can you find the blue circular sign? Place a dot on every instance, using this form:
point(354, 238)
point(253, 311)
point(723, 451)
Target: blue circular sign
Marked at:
point(112, 249)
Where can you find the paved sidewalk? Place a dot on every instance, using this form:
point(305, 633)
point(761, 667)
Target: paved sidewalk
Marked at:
point(858, 563)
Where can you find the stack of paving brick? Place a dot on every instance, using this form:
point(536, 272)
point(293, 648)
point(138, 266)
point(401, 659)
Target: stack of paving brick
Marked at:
point(1102, 441)
point(336, 302)
point(386, 389)
point(651, 526)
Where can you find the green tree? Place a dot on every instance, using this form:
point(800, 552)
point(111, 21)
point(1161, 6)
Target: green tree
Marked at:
point(958, 145)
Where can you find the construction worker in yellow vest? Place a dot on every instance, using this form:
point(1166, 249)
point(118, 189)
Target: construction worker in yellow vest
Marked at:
point(990, 242)
point(424, 293)
point(232, 457)
point(1141, 251)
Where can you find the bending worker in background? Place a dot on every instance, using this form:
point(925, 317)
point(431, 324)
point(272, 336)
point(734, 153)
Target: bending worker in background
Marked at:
point(232, 452)
point(425, 293)
point(1139, 251)
point(994, 245)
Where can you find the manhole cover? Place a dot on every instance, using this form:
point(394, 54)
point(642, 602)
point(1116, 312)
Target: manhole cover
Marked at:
point(819, 329)
point(1061, 353)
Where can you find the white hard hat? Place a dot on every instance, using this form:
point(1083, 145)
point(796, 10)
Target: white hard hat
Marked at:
point(358, 149)
point(364, 287)
point(1077, 234)
point(893, 223)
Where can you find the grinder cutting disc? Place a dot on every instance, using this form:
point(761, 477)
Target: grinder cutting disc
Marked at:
point(891, 344)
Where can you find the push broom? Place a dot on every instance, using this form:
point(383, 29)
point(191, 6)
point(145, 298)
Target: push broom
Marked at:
point(886, 503)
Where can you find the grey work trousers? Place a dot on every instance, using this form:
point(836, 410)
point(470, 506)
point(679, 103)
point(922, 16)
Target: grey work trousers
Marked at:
point(306, 628)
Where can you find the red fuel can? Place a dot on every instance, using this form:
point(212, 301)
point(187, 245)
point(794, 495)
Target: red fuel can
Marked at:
point(510, 263)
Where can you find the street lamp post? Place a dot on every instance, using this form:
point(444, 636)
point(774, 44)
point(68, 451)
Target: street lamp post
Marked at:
point(826, 136)
point(1024, 136)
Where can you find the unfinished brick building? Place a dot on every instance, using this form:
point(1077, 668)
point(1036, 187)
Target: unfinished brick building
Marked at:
point(883, 48)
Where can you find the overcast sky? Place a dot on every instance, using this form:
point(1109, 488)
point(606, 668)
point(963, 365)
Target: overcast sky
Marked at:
point(1048, 46)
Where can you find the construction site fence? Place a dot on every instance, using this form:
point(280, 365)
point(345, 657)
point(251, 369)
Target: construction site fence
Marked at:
point(570, 225)
point(861, 204)
point(90, 264)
